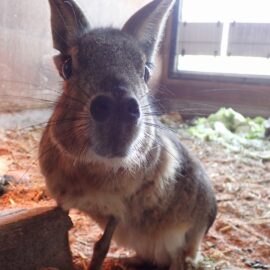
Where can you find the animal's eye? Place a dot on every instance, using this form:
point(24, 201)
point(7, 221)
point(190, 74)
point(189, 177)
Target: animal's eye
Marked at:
point(67, 69)
point(147, 73)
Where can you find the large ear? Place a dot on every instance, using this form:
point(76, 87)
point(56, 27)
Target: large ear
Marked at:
point(67, 22)
point(148, 24)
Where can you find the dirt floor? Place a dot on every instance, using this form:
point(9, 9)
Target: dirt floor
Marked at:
point(239, 239)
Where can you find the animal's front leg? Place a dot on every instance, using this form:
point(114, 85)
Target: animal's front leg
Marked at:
point(178, 261)
point(101, 247)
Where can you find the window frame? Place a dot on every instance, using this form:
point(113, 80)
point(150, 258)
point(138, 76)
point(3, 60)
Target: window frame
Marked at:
point(249, 95)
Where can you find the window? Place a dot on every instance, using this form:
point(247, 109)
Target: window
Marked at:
point(228, 38)
point(217, 54)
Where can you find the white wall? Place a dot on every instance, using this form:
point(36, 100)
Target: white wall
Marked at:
point(26, 67)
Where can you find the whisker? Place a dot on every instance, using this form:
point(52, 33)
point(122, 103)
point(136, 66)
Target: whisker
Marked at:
point(38, 86)
point(152, 113)
point(60, 92)
point(161, 144)
point(164, 89)
point(51, 123)
point(161, 127)
point(30, 98)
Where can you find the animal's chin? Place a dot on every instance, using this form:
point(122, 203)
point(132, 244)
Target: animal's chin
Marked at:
point(117, 150)
point(113, 161)
point(115, 147)
point(111, 153)
point(114, 157)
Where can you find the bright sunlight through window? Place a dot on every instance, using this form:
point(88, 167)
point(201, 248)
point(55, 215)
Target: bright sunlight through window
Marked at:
point(230, 37)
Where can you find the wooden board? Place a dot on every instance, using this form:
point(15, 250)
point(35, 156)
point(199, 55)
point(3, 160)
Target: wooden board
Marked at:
point(34, 239)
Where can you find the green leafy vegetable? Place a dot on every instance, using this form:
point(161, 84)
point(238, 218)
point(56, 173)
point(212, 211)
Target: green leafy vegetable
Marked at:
point(234, 131)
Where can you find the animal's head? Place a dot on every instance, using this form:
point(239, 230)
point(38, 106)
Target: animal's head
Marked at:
point(103, 112)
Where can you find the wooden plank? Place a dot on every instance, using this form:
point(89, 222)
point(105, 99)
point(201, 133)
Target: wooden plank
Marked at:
point(35, 239)
point(249, 39)
point(199, 38)
point(207, 96)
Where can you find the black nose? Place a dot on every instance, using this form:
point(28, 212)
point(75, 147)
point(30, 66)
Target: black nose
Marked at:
point(126, 109)
point(101, 108)
point(131, 109)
